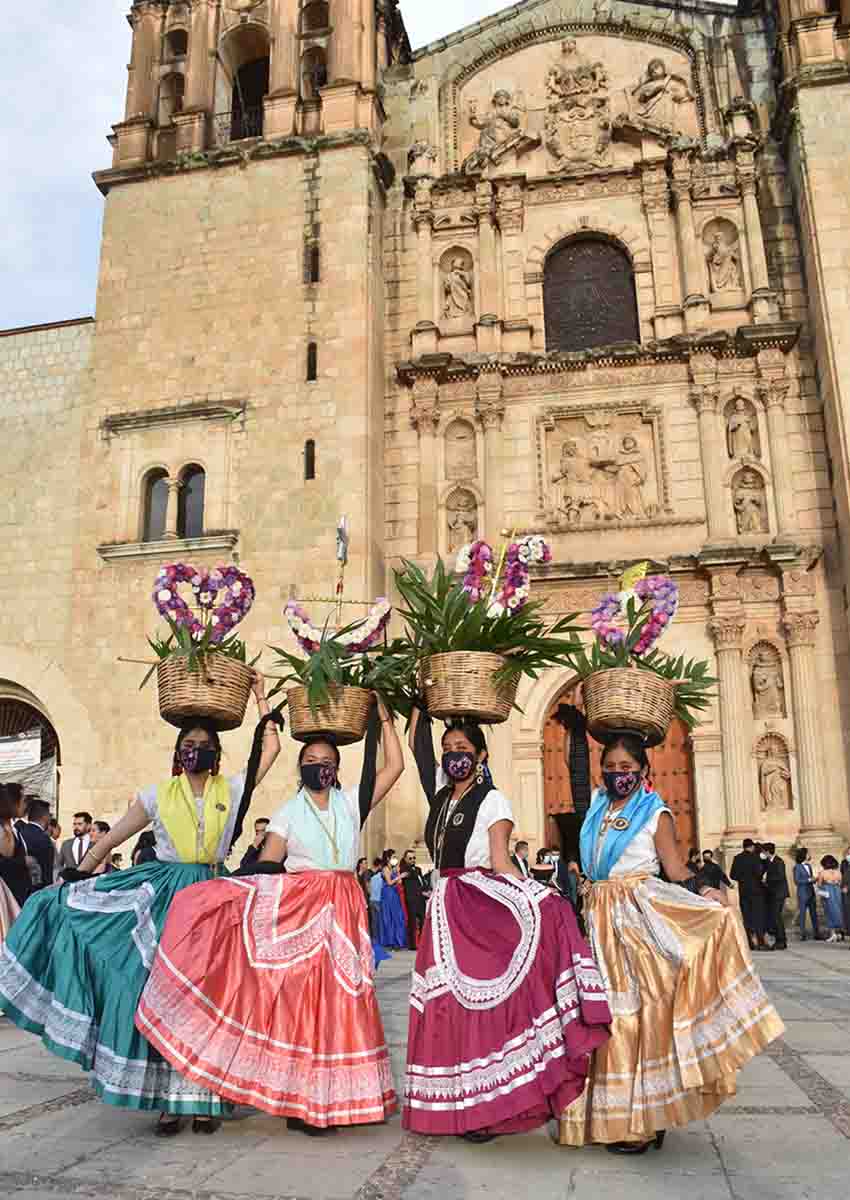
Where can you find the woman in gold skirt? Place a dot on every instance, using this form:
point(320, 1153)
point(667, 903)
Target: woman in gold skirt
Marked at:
point(688, 1009)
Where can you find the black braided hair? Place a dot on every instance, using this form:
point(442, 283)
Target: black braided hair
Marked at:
point(254, 757)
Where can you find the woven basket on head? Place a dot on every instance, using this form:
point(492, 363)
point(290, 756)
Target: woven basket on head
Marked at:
point(219, 689)
point(343, 718)
point(461, 684)
point(622, 698)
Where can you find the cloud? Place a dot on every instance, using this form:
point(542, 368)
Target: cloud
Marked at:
point(64, 71)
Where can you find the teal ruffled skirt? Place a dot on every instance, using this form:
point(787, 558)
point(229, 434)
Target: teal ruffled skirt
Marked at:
point(73, 968)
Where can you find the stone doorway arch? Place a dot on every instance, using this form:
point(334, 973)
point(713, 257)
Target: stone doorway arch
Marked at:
point(20, 712)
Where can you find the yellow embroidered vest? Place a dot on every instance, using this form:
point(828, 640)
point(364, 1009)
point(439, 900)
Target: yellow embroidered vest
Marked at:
point(178, 811)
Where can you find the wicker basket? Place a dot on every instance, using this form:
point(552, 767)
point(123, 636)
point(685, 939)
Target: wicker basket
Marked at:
point(623, 698)
point(219, 689)
point(343, 718)
point(460, 684)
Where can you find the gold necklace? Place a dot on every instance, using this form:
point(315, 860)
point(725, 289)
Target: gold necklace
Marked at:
point(331, 836)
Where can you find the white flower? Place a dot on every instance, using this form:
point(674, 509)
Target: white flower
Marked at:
point(163, 595)
point(495, 609)
point(236, 589)
point(205, 597)
point(514, 602)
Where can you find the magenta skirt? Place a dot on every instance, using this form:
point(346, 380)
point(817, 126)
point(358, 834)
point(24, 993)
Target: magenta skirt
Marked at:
point(506, 1007)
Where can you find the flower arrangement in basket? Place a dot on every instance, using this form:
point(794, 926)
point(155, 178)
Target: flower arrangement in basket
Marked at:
point(203, 667)
point(476, 636)
point(333, 684)
point(628, 682)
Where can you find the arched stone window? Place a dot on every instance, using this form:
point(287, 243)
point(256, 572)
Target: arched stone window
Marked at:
point(309, 459)
point(312, 361)
point(245, 57)
point(589, 295)
point(190, 502)
point(176, 44)
point(155, 505)
point(171, 94)
point(314, 16)
point(314, 72)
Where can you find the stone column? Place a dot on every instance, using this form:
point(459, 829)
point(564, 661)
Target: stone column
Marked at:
point(745, 170)
point(146, 21)
point(800, 630)
point(727, 631)
point(696, 306)
point(425, 417)
point(425, 332)
point(509, 215)
point(488, 267)
point(174, 486)
point(490, 410)
point(773, 395)
point(199, 69)
point(704, 399)
point(656, 206)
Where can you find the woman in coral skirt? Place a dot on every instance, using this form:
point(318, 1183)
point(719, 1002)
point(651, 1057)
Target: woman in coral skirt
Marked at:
point(507, 1003)
point(689, 1010)
point(263, 986)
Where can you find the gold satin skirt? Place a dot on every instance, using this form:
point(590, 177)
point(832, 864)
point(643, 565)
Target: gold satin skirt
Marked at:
point(9, 911)
point(688, 1011)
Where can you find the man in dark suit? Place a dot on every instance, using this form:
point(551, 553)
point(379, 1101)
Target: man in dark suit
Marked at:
point(520, 859)
point(748, 872)
point(776, 883)
point(39, 847)
point(74, 849)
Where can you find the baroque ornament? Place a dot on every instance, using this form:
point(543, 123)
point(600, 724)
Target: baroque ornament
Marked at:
point(578, 118)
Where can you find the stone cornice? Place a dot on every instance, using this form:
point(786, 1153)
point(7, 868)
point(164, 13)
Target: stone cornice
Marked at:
point(130, 422)
point(238, 154)
point(166, 548)
point(744, 342)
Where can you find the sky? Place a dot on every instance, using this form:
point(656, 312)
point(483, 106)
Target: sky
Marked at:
point(65, 71)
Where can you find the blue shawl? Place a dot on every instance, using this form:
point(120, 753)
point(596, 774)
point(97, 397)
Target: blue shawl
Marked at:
point(640, 809)
point(314, 839)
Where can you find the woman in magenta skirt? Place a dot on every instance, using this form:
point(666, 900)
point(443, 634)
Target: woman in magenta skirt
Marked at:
point(507, 1004)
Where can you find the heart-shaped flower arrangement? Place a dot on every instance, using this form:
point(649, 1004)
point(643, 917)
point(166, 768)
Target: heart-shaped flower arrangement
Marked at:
point(657, 591)
point(221, 597)
point(512, 589)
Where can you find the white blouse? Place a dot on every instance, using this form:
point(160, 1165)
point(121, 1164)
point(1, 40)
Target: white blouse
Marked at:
point(299, 855)
point(640, 856)
point(165, 850)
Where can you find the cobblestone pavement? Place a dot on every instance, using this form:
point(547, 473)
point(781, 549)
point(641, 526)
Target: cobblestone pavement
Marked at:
point(787, 1133)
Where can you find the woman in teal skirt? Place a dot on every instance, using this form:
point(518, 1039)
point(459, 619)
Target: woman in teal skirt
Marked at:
point(75, 962)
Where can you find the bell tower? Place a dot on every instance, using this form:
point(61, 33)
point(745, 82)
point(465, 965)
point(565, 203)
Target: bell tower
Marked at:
point(206, 73)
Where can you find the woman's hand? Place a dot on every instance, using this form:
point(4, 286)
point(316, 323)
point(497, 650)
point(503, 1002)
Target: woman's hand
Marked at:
point(382, 709)
point(715, 895)
point(585, 888)
point(258, 686)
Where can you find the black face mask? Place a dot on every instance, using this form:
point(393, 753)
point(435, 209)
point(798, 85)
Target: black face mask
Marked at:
point(620, 783)
point(196, 759)
point(318, 777)
point(458, 765)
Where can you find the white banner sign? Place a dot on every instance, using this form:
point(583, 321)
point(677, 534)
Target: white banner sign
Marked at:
point(39, 780)
point(21, 751)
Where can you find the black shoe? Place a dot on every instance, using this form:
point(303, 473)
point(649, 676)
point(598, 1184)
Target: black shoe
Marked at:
point(170, 1127)
point(479, 1136)
point(205, 1125)
point(659, 1138)
point(628, 1147)
point(299, 1126)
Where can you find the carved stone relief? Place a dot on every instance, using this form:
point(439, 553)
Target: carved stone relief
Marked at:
point(603, 469)
point(573, 107)
point(462, 519)
point(766, 681)
point(578, 113)
point(774, 773)
point(742, 429)
point(723, 257)
point(460, 451)
point(457, 295)
point(749, 502)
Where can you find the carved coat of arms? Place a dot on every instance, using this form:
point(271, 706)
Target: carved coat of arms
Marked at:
point(577, 129)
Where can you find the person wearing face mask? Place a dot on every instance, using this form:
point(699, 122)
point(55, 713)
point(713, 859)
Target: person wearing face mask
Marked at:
point(845, 889)
point(393, 928)
point(506, 1004)
point(413, 884)
point(689, 1010)
point(76, 961)
point(263, 986)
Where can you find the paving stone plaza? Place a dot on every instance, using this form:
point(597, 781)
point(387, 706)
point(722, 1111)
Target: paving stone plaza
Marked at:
point(786, 1134)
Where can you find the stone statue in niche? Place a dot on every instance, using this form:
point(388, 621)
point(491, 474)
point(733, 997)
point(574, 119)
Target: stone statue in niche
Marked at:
point(462, 516)
point(631, 477)
point(460, 451)
point(741, 431)
point(657, 100)
point(244, 6)
point(457, 288)
point(749, 503)
point(724, 267)
point(767, 684)
point(774, 774)
point(577, 127)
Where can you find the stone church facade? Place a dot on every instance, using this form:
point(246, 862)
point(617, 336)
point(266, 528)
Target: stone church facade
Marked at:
point(577, 269)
